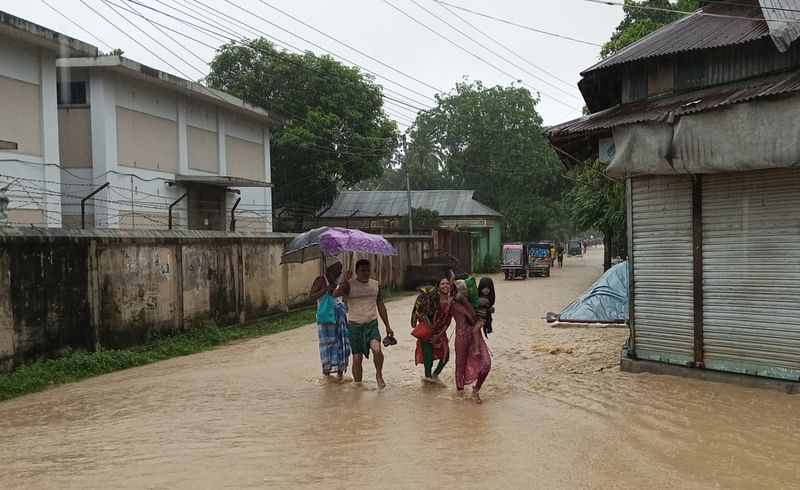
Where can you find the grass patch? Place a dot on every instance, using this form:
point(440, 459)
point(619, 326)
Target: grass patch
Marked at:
point(76, 366)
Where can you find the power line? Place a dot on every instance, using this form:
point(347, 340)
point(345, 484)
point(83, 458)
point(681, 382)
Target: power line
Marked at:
point(107, 20)
point(493, 51)
point(256, 15)
point(352, 48)
point(173, 53)
point(504, 21)
point(156, 25)
point(684, 12)
point(78, 26)
point(260, 33)
point(210, 32)
point(241, 43)
point(181, 72)
point(504, 47)
point(438, 34)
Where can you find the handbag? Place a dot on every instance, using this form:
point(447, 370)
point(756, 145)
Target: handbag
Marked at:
point(326, 310)
point(422, 331)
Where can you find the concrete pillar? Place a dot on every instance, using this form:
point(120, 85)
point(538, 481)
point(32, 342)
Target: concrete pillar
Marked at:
point(103, 111)
point(183, 145)
point(50, 153)
point(223, 159)
point(268, 178)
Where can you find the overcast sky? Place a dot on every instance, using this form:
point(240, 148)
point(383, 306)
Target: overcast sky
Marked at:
point(371, 26)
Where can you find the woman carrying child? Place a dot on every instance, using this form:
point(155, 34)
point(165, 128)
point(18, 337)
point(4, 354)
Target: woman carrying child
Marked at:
point(473, 360)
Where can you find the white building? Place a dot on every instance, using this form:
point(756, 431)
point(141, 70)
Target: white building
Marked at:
point(153, 138)
point(152, 145)
point(29, 118)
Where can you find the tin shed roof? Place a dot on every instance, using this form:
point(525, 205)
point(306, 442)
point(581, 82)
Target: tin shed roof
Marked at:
point(666, 108)
point(448, 203)
point(714, 25)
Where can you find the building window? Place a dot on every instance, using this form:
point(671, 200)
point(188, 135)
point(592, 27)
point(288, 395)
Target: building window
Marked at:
point(71, 93)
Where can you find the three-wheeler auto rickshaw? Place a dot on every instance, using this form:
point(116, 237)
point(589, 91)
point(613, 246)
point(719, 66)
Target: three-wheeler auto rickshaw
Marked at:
point(515, 261)
point(575, 248)
point(540, 259)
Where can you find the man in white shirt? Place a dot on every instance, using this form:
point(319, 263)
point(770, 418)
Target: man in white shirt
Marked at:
point(364, 305)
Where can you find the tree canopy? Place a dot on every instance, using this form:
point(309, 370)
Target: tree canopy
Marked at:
point(598, 203)
point(490, 139)
point(340, 134)
point(639, 22)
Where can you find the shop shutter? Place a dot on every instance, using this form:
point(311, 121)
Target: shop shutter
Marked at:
point(751, 272)
point(663, 323)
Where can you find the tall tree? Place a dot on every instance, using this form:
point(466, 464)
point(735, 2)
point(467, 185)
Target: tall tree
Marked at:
point(642, 18)
point(598, 203)
point(340, 134)
point(490, 139)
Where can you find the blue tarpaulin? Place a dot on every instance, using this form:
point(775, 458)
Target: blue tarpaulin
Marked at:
point(605, 301)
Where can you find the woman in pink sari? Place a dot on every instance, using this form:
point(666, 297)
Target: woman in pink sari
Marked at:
point(473, 362)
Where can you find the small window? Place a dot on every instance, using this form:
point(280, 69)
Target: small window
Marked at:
point(72, 93)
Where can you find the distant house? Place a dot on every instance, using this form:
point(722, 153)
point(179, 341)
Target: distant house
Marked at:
point(157, 148)
point(387, 211)
point(700, 117)
point(29, 162)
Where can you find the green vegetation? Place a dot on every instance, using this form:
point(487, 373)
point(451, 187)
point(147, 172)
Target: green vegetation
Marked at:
point(639, 22)
point(340, 134)
point(489, 265)
point(423, 219)
point(598, 203)
point(75, 366)
point(488, 139)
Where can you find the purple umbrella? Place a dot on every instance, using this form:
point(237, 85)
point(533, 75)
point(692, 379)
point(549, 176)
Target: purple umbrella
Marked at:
point(337, 240)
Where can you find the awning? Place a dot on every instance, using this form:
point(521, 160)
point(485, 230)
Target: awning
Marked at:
point(579, 138)
point(668, 109)
point(219, 181)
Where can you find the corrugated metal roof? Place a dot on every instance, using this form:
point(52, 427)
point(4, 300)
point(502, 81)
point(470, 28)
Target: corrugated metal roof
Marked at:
point(715, 25)
point(667, 108)
point(448, 203)
point(782, 18)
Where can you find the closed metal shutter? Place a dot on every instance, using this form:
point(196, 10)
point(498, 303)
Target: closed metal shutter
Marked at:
point(751, 272)
point(663, 305)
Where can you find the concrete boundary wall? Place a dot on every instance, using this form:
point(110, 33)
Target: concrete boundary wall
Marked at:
point(103, 288)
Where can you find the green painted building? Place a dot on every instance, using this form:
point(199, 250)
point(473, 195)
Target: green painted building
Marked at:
point(371, 210)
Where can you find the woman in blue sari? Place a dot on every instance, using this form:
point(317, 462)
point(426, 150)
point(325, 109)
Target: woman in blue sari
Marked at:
point(334, 345)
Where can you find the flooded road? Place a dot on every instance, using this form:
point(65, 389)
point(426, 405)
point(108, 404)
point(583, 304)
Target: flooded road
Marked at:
point(557, 413)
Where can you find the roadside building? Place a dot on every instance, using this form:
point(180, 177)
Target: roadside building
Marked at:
point(29, 161)
point(386, 211)
point(700, 118)
point(104, 141)
point(178, 138)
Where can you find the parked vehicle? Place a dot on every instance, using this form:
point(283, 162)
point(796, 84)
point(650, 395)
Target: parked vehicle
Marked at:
point(540, 259)
point(575, 248)
point(515, 261)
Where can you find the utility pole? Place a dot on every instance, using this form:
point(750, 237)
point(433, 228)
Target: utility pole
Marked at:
point(408, 185)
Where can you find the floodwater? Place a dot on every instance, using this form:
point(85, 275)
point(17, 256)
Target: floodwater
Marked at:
point(557, 413)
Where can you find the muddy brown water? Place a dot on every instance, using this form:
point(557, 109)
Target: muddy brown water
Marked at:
point(557, 413)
